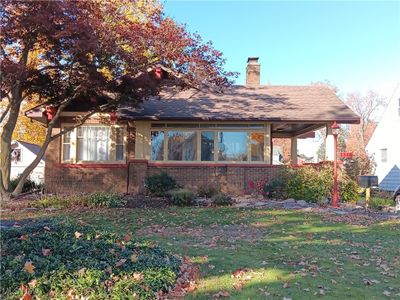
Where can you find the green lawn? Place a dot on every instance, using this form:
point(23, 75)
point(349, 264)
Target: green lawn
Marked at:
point(266, 254)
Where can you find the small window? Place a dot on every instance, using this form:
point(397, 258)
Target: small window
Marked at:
point(157, 145)
point(119, 143)
point(182, 145)
point(66, 146)
point(384, 155)
point(16, 155)
point(232, 146)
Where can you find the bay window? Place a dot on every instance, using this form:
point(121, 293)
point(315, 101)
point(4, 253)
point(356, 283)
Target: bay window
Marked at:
point(94, 143)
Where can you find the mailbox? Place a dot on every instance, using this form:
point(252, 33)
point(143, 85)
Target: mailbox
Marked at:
point(368, 180)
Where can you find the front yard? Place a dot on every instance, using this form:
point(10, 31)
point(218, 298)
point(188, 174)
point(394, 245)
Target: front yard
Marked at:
point(264, 254)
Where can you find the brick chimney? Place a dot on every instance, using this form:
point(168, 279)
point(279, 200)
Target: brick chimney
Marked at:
point(253, 72)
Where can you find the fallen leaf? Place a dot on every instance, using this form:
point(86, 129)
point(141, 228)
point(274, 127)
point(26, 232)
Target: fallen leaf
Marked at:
point(29, 267)
point(134, 257)
point(46, 252)
point(46, 228)
point(286, 285)
point(78, 234)
point(32, 283)
point(24, 237)
point(108, 270)
point(120, 262)
point(26, 296)
point(137, 276)
point(387, 293)
point(127, 237)
point(222, 294)
point(238, 286)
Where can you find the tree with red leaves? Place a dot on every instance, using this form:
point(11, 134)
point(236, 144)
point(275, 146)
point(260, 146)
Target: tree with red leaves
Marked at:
point(101, 51)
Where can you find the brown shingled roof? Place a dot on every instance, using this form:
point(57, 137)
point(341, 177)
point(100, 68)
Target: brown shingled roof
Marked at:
point(241, 103)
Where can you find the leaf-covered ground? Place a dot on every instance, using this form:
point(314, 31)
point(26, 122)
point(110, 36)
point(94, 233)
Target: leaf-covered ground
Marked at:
point(267, 254)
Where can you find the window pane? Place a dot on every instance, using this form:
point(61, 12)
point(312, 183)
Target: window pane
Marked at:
point(207, 145)
point(157, 145)
point(182, 145)
point(67, 137)
point(232, 146)
point(119, 135)
point(257, 146)
point(93, 143)
point(66, 152)
point(119, 152)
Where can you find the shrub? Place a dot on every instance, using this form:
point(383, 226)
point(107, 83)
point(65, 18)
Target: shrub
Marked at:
point(207, 191)
point(29, 185)
point(104, 200)
point(181, 197)
point(348, 189)
point(310, 183)
point(276, 188)
point(221, 199)
point(56, 201)
point(159, 184)
point(76, 261)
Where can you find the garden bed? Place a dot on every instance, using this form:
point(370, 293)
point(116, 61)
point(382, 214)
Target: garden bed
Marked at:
point(62, 259)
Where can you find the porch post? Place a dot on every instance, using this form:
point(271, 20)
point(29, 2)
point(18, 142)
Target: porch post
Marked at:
point(329, 144)
point(293, 150)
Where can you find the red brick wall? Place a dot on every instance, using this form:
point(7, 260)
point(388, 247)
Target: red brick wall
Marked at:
point(229, 178)
point(64, 178)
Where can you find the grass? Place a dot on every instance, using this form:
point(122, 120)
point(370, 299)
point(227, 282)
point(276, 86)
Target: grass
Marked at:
point(259, 254)
point(377, 202)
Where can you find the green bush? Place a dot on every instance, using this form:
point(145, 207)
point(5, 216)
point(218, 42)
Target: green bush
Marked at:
point(75, 261)
point(276, 188)
point(348, 189)
point(207, 191)
point(159, 184)
point(222, 199)
point(57, 201)
point(181, 197)
point(29, 185)
point(379, 203)
point(310, 183)
point(104, 200)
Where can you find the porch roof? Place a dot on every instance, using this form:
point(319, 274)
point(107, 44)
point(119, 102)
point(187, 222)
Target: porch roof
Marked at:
point(281, 104)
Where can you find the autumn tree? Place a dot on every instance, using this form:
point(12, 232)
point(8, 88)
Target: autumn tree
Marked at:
point(96, 51)
point(367, 107)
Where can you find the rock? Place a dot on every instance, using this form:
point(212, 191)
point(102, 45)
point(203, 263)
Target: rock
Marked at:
point(340, 212)
point(30, 209)
point(242, 204)
point(302, 203)
point(5, 210)
point(51, 209)
point(307, 209)
point(260, 203)
point(290, 200)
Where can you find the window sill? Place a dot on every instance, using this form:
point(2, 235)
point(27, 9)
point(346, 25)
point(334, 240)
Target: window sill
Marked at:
point(93, 165)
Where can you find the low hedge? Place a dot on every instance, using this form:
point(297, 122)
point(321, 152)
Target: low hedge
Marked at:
point(65, 260)
point(160, 184)
point(310, 183)
point(98, 200)
point(181, 197)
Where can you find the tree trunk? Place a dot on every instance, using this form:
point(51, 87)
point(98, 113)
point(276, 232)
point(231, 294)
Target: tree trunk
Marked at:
point(5, 139)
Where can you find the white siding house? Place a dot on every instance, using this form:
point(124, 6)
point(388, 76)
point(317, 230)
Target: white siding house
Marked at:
point(22, 156)
point(384, 145)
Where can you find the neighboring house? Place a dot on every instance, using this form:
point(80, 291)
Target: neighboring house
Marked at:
point(384, 145)
point(22, 155)
point(198, 137)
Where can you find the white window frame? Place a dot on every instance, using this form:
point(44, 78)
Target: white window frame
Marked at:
point(213, 127)
point(111, 145)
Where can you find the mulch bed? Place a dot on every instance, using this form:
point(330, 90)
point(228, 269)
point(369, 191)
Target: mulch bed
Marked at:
point(141, 201)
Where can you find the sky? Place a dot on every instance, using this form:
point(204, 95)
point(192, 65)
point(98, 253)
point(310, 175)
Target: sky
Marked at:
point(354, 45)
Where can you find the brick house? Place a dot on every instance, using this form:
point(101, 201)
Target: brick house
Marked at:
point(199, 138)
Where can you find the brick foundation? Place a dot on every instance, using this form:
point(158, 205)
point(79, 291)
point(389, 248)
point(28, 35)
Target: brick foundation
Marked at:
point(236, 179)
